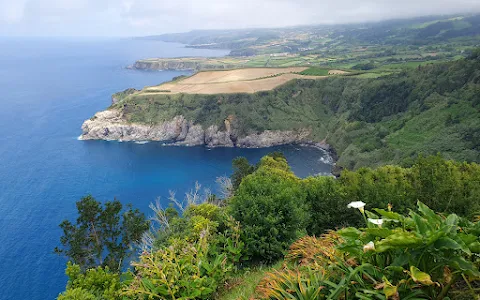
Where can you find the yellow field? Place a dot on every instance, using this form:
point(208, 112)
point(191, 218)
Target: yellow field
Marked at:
point(232, 81)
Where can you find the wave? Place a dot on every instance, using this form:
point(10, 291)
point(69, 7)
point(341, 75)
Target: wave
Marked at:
point(327, 159)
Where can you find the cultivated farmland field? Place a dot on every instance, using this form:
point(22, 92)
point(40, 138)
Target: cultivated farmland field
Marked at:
point(248, 80)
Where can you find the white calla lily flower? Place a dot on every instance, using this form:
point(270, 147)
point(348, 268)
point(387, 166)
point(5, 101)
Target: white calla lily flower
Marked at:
point(357, 204)
point(370, 246)
point(378, 222)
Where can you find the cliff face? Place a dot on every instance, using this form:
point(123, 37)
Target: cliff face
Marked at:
point(110, 125)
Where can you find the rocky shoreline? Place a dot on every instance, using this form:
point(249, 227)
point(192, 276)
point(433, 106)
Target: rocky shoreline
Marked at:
point(110, 125)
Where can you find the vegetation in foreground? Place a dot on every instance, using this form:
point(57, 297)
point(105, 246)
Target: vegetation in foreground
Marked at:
point(415, 235)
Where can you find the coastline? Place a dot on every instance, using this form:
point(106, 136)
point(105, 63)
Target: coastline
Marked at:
point(329, 152)
point(182, 133)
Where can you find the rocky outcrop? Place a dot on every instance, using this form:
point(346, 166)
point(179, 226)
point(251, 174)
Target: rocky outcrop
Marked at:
point(110, 125)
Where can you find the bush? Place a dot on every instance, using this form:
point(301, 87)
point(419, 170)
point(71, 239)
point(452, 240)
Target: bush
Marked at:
point(327, 205)
point(270, 206)
point(182, 271)
point(192, 254)
point(447, 186)
point(97, 283)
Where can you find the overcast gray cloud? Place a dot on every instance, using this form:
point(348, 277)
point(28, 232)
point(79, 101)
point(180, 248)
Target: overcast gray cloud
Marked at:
point(143, 17)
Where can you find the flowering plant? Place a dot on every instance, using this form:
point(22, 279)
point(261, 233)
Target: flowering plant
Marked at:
point(424, 251)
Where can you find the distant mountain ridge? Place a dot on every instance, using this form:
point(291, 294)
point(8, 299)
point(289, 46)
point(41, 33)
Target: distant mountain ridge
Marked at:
point(417, 31)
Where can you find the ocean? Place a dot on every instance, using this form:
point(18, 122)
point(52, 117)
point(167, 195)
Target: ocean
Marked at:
point(49, 87)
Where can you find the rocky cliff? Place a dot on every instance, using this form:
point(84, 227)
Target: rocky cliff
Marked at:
point(111, 125)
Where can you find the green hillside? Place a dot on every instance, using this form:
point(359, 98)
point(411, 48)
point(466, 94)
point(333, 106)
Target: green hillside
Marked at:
point(369, 121)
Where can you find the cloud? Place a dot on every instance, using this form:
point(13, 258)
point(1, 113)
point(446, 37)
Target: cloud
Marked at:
point(11, 11)
point(142, 17)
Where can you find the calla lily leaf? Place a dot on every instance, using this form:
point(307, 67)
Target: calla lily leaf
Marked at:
point(389, 289)
point(419, 276)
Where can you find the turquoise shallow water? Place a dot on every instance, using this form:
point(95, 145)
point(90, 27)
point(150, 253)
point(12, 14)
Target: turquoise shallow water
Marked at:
point(49, 87)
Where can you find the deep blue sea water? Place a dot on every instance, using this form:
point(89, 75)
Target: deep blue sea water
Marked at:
point(48, 88)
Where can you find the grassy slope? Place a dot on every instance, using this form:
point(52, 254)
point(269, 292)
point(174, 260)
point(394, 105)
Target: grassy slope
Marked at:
point(242, 285)
point(370, 121)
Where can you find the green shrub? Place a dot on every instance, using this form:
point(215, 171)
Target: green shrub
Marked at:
point(184, 270)
point(447, 186)
point(269, 204)
point(327, 205)
point(97, 283)
point(192, 254)
point(180, 271)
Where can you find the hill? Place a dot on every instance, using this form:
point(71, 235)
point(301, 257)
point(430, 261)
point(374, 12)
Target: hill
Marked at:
point(387, 45)
point(369, 121)
point(414, 31)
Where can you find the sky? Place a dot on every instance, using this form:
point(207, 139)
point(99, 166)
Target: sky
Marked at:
point(149, 17)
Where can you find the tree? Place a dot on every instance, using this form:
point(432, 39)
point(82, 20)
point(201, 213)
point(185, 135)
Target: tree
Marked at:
point(241, 168)
point(269, 204)
point(101, 236)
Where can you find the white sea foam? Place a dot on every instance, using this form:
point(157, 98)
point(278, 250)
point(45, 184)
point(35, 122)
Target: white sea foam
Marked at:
point(327, 159)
